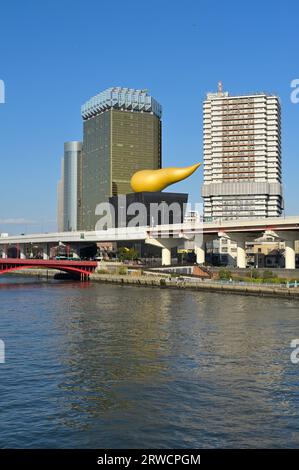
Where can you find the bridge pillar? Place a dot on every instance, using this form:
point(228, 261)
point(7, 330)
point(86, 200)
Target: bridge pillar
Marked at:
point(241, 250)
point(241, 254)
point(200, 253)
point(200, 247)
point(240, 239)
point(44, 250)
point(166, 244)
point(290, 255)
point(75, 250)
point(22, 252)
point(166, 256)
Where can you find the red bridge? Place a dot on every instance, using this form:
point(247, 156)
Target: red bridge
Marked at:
point(81, 268)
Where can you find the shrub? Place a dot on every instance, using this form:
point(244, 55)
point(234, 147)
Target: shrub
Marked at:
point(255, 274)
point(122, 270)
point(224, 274)
point(267, 274)
point(277, 280)
point(101, 271)
point(127, 254)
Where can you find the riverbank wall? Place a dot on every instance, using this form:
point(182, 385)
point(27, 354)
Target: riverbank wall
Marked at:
point(165, 282)
point(198, 285)
point(39, 273)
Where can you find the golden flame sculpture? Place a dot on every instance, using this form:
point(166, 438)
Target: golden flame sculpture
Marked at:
point(156, 180)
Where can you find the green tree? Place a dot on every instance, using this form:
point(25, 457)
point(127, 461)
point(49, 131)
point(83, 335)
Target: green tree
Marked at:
point(127, 254)
point(225, 274)
point(254, 274)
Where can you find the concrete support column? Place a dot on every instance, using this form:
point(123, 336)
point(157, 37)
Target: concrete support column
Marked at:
point(45, 251)
point(200, 242)
point(22, 252)
point(241, 254)
point(199, 248)
point(75, 251)
point(166, 256)
point(290, 257)
point(289, 237)
point(165, 244)
point(241, 250)
point(200, 254)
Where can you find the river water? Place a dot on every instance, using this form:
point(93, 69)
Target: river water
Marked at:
point(103, 366)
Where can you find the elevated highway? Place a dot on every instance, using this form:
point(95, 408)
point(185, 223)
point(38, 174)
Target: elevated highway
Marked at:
point(167, 236)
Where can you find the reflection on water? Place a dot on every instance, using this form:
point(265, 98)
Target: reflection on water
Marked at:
point(91, 365)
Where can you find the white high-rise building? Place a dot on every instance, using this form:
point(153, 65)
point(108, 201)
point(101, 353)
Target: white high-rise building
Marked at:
point(72, 155)
point(242, 156)
point(68, 189)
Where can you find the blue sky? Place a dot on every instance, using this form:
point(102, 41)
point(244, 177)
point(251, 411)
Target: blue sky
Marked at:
point(55, 55)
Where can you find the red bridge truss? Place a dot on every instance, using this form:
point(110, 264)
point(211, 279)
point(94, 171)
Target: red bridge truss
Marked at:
point(83, 268)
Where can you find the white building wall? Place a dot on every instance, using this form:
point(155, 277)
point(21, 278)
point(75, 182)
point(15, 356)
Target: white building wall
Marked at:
point(242, 144)
point(72, 152)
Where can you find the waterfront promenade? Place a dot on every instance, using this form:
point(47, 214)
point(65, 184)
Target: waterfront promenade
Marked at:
point(164, 281)
point(200, 285)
